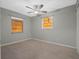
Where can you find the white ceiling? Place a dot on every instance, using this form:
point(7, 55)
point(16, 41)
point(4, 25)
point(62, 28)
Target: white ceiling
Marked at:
point(49, 5)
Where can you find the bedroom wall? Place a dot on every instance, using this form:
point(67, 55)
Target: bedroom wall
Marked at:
point(78, 29)
point(7, 35)
point(0, 25)
point(64, 30)
point(0, 32)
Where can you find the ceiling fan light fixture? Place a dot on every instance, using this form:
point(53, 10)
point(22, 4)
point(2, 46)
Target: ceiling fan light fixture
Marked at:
point(36, 12)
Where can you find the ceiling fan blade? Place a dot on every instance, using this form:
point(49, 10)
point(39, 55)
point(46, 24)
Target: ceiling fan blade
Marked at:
point(44, 11)
point(29, 12)
point(30, 7)
point(41, 6)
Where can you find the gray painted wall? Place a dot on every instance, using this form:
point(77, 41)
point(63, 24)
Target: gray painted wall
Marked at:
point(64, 30)
point(7, 36)
point(78, 29)
point(0, 32)
point(0, 25)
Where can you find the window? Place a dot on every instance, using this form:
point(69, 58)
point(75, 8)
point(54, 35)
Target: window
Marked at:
point(47, 23)
point(17, 25)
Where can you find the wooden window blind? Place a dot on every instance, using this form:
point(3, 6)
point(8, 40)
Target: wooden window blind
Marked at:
point(17, 25)
point(47, 23)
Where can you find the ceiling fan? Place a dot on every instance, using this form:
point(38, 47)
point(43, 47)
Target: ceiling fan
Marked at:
point(37, 9)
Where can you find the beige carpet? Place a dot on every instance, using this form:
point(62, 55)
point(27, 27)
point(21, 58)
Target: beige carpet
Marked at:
point(33, 49)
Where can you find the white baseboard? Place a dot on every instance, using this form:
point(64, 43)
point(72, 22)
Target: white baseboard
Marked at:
point(38, 40)
point(56, 43)
point(15, 42)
